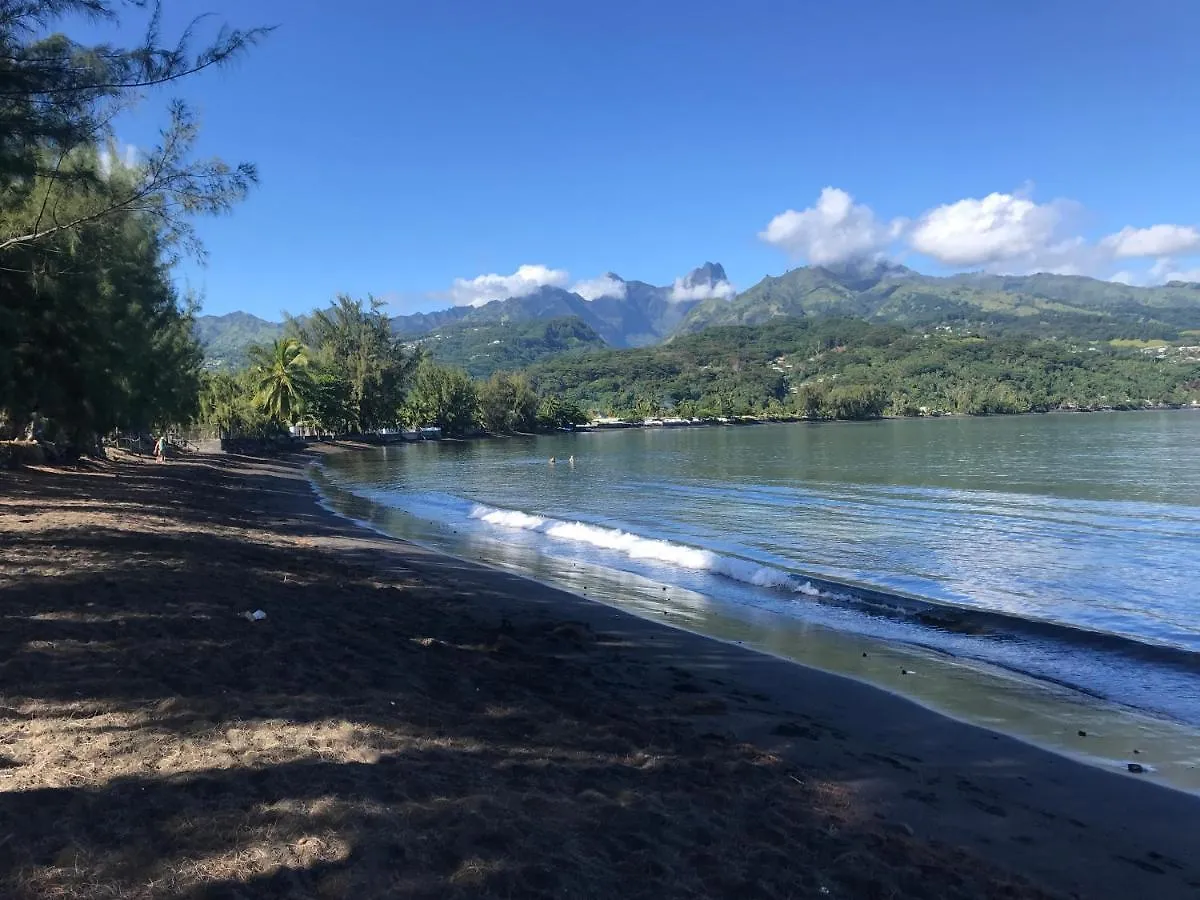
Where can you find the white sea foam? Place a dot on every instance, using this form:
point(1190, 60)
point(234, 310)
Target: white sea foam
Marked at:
point(508, 518)
point(642, 548)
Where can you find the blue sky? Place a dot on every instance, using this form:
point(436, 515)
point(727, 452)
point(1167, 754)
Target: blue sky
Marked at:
point(404, 146)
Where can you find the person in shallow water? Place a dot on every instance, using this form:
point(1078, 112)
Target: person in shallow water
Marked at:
point(553, 460)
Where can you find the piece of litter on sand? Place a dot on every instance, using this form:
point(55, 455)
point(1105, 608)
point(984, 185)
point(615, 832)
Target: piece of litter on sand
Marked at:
point(257, 616)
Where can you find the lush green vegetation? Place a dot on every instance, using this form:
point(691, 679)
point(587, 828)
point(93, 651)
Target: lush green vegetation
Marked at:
point(341, 370)
point(811, 368)
point(848, 369)
point(1039, 306)
point(93, 336)
point(1029, 306)
point(484, 349)
point(227, 339)
point(465, 336)
point(281, 379)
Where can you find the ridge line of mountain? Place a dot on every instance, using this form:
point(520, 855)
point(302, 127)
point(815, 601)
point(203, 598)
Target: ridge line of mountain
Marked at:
point(641, 314)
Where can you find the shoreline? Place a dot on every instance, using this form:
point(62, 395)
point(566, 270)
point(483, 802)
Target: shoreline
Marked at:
point(842, 767)
point(1106, 766)
point(366, 441)
point(1038, 710)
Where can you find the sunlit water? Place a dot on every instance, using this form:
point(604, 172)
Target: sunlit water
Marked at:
point(1030, 562)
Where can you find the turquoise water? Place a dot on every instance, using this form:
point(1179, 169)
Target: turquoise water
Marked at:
point(1065, 548)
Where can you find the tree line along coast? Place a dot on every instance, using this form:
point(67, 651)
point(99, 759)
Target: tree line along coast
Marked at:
point(341, 371)
point(338, 371)
point(97, 340)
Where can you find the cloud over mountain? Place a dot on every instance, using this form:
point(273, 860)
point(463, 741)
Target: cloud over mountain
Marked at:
point(607, 285)
point(526, 280)
point(834, 230)
point(1002, 233)
point(707, 282)
point(1157, 240)
point(996, 229)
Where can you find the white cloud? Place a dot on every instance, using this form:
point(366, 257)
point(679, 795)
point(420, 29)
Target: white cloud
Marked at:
point(1165, 270)
point(834, 230)
point(125, 155)
point(999, 230)
point(604, 286)
point(1161, 271)
point(1158, 272)
point(1005, 233)
point(484, 288)
point(1157, 240)
point(704, 290)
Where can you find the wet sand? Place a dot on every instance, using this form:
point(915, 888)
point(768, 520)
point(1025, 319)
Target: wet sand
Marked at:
point(407, 724)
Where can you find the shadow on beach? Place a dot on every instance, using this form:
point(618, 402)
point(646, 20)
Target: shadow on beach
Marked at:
point(392, 729)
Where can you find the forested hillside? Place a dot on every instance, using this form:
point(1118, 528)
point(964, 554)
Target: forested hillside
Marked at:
point(854, 369)
point(635, 314)
point(1033, 306)
point(484, 349)
point(227, 339)
point(1043, 306)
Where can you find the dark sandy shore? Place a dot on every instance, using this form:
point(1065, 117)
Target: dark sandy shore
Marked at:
point(407, 725)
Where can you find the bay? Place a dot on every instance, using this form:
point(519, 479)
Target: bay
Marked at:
point(1062, 550)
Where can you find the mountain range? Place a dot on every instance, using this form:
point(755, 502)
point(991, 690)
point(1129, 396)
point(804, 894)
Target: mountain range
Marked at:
point(637, 314)
point(1041, 305)
point(634, 315)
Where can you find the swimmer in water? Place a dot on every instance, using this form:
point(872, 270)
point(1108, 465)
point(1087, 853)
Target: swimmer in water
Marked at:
point(552, 460)
point(571, 460)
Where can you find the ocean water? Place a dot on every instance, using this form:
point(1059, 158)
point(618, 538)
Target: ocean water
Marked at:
point(1060, 551)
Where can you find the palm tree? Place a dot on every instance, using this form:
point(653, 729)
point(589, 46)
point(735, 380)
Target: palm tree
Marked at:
point(281, 378)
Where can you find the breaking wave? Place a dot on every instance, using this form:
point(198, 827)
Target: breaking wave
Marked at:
point(637, 547)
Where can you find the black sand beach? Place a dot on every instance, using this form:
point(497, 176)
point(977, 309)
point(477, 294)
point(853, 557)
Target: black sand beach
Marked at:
point(406, 724)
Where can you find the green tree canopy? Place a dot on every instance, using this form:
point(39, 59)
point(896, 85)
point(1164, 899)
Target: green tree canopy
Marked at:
point(92, 332)
point(281, 379)
point(58, 99)
point(507, 404)
point(364, 369)
point(444, 397)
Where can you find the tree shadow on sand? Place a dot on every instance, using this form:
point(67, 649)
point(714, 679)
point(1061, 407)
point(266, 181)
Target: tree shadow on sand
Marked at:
point(377, 734)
